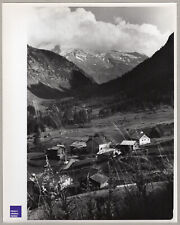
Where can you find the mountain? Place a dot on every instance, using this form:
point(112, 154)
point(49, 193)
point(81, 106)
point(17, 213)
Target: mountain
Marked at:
point(150, 80)
point(55, 85)
point(103, 67)
point(50, 75)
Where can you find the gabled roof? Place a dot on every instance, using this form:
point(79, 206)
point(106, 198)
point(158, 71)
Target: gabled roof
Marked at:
point(127, 142)
point(105, 145)
point(53, 148)
point(107, 150)
point(99, 178)
point(60, 145)
point(137, 134)
point(85, 138)
point(78, 144)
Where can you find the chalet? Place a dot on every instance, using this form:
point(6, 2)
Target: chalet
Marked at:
point(61, 151)
point(94, 142)
point(128, 145)
point(141, 137)
point(144, 139)
point(89, 144)
point(99, 180)
point(78, 147)
point(104, 146)
point(108, 149)
point(52, 153)
point(56, 152)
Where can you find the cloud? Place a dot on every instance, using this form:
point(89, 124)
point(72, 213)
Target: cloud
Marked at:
point(50, 26)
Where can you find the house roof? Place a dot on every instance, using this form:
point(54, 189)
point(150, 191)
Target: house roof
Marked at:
point(105, 145)
point(107, 150)
point(78, 144)
point(99, 178)
point(85, 138)
point(60, 145)
point(53, 148)
point(127, 142)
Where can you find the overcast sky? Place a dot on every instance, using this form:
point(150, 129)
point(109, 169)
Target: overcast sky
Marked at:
point(140, 29)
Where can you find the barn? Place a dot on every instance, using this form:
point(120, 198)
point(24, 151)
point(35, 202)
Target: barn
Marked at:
point(78, 147)
point(104, 146)
point(99, 180)
point(56, 152)
point(94, 142)
point(128, 145)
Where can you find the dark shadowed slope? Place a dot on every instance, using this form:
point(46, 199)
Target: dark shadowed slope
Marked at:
point(50, 75)
point(152, 78)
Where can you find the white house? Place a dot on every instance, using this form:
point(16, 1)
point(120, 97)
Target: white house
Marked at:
point(109, 151)
point(144, 139)
point(141, 137)
point(104, 146)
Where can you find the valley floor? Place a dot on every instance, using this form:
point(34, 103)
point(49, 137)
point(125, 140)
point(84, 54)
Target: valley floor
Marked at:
point(158, 160)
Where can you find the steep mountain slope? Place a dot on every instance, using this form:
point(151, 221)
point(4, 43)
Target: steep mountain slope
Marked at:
point(50, 75)
point(151, 79)
point(103, 67)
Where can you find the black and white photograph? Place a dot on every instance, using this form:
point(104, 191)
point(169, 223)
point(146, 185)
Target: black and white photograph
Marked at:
point(100, 111)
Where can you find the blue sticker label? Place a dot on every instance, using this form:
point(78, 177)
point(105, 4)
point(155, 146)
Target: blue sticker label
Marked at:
point(15, 211)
